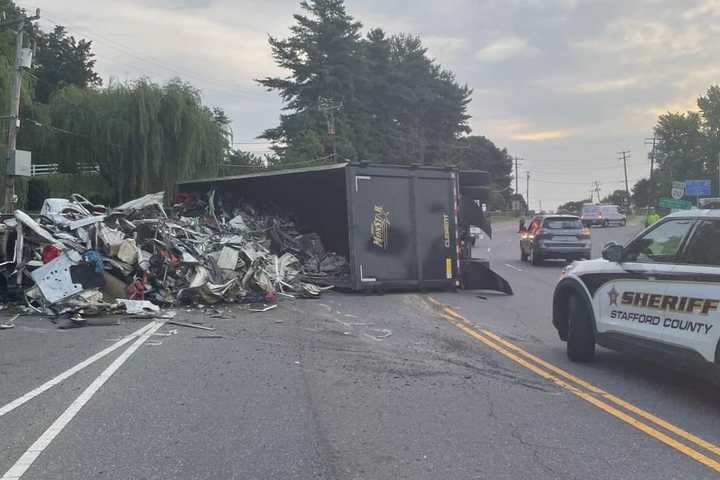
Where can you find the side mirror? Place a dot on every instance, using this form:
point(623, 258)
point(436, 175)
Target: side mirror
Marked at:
point(612, 252)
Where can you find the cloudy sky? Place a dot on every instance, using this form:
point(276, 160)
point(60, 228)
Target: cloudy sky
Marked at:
point(564, 84)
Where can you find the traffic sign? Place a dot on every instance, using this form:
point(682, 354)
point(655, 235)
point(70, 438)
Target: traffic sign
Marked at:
point(697, 188)
point(678, 190)
point(673, 203)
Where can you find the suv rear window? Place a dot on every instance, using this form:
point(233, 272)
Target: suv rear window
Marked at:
point(563, 224)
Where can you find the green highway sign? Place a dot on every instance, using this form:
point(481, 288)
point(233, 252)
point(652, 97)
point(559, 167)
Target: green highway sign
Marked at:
point(672, 203)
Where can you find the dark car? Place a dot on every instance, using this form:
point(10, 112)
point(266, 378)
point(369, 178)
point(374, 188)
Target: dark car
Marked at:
point(555, 236)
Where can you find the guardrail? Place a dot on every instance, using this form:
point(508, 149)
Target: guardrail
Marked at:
point(54, 168)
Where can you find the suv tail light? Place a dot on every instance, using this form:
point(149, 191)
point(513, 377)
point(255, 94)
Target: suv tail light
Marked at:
point(584, 234)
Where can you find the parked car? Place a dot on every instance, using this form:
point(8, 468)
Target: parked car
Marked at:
point(555, 236)
point(604, 215)
point(658, 296)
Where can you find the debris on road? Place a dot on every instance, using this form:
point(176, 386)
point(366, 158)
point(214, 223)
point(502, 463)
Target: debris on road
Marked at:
point(78, 259)
point(10, 323)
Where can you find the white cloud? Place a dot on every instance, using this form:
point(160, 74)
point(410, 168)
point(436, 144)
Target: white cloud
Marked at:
point(445, 49)
point(707, 8)
point(611, 85)
point(645, 41)
point(503, 49)
point(542, 135)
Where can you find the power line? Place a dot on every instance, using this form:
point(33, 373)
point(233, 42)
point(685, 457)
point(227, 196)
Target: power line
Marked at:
point(562, 170)
point(232, 90)
point(71, 133)
point(553, 182)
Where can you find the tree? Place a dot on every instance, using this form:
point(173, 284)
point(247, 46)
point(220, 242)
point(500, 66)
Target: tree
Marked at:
point(61, 60)
point(574, 208)
point(689, 143)
point(238, 158)
point(479, 153)
point(321, 57)
point(144, 137)
point(618, 197)
point(387, 100)
point(641, 193)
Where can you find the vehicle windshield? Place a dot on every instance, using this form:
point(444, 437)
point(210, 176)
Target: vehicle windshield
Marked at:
point(563, 224)
point(591, 210)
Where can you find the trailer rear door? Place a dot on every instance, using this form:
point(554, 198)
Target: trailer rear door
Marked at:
point(403, 227)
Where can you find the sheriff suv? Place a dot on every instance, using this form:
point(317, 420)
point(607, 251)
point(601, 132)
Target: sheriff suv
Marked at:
point(657, 296)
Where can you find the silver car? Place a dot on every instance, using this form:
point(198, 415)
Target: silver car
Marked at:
point(555, 236)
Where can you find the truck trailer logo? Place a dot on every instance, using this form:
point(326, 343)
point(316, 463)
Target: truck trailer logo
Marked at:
point(380, 228)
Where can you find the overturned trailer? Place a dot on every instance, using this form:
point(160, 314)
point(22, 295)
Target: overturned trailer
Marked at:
point(400, 227)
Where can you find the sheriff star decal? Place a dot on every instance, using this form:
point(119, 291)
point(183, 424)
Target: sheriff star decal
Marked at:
point(613, 295)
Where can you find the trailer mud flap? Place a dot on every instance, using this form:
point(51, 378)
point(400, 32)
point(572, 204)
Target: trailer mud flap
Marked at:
point(476, 275)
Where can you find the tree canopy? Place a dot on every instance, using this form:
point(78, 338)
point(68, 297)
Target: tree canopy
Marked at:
point(366, 97)
point(386, 99)
point(687, 147)
point(479, 153)
point(142, 136)
point(61, 60)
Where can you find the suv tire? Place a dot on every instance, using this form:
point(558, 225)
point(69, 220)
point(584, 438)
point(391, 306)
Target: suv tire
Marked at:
point(581, 337)
point(623, 222)
point(536, 259)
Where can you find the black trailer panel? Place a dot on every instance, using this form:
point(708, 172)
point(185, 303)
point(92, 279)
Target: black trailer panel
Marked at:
point(403, 231)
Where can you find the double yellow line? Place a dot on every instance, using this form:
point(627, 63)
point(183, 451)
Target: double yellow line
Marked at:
point(597, 397)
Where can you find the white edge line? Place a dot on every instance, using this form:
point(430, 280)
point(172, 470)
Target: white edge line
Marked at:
point(513, 267)
point(32, 453)
point(5, 409)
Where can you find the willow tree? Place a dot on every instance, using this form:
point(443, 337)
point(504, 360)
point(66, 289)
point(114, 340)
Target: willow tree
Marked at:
point(143, 136)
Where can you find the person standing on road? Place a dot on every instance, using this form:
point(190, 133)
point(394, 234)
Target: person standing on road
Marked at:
point(652, 218)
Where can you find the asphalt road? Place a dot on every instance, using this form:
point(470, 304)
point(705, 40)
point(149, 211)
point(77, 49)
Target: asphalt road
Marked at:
point(400, 386)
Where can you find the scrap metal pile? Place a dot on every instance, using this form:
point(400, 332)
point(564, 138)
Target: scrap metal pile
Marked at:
point(76, 258)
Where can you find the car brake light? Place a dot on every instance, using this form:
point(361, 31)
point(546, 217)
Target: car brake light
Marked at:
point(585, 232)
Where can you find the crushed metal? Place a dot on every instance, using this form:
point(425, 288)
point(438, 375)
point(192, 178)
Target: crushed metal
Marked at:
point(77, 259)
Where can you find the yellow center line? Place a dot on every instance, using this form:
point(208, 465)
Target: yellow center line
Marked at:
point(609, 396)
point(515, 354)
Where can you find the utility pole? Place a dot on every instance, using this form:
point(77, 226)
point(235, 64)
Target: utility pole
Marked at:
point(652, 141)
point(517, 177)
point(329, 106)
point(8, 184)
point(625, 154)
point(527, 192)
